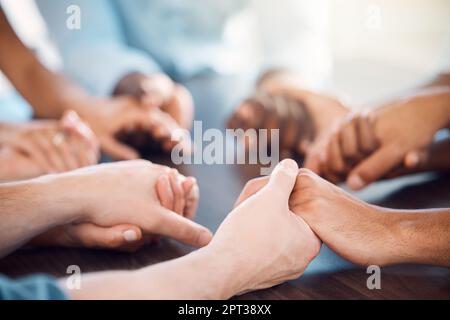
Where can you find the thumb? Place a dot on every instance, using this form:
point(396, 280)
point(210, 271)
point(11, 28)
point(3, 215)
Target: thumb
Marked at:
point(376, 166)
point(283, 178)
point(118, 150)
point(183, 229)
point(107, 237)
point(416, 159)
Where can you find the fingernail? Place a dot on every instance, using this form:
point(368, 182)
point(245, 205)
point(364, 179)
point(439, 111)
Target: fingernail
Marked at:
point(195, 191)
point(412, 160)
point(130, 235)
point(355, 182)
point(289, 166)
point(204, 238)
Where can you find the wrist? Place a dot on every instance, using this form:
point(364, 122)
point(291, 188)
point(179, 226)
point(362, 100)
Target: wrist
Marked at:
point(59, 196)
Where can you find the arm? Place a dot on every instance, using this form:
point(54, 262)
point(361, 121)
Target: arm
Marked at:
point(31, 208)
point(32, 79)
point(240, 257)
point(367, 234)
point(96, 55)
point(425, 235)
point(80, 197)
point(204, 274)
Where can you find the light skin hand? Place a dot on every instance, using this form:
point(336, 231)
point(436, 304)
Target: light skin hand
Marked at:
point(174, 191)
point(108, 200)
point(266, 261)
point(240, 258)
point(42, 147)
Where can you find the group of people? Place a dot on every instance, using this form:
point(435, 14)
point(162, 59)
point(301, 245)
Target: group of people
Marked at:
point(53, 192)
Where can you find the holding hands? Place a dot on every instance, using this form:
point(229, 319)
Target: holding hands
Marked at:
point(263, 238)
point(42, 147)
point(127, 204)
point(385, 142)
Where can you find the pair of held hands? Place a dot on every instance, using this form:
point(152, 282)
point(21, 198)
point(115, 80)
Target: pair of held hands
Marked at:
point(147, 106)
point(359, 148)
point(296, 207)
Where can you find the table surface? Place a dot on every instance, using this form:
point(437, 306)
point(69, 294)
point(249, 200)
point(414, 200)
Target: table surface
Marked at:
point(328, 276)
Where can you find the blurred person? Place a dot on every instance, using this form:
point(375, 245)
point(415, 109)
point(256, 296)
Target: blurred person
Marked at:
point(143, 48)
point(240, 257)
point(51, 96)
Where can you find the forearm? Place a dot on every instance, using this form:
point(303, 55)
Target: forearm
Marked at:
point(199, 275)
point(48, 93)
point(31, 208)
point(442, 79)
point(423, 236)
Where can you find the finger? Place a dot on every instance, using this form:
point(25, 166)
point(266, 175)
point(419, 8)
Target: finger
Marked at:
point(192, 192)
point(179, 197)
point(152, 99)
point(182, 229)
point(252, 187)
point(374, 167)
point(35, 153)
point(84, 144)
point(283, 178)
point(94, 236)
point(367, 139)
point(417, 159)
point(47, 141)
point(164, 192)
point(69, 159)
point(334, 159)
point(118, 150)
point(312, 161)
point(348, 140)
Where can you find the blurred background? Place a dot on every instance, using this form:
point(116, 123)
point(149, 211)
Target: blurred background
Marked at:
point(365, 49)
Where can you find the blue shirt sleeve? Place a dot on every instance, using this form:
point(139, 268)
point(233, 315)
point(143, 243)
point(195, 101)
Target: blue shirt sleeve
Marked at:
point(38, 287)
point(96, 55)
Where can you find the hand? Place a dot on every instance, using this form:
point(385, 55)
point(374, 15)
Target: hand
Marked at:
point(243, 240)
point(128, 193)
point(366, 148)
point(158, 91)
point(301, 115)
point(111, 117)
point(359, 232)
point(175, 192)
point(42, 147)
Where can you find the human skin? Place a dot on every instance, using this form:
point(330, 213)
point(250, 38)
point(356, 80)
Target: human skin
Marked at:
point(175, 192)
point(367, 147)
point(51, 95)
point(106, 196)
point(366, 234)
point(30, 149)
point(240, 257)
point(292, 94)
point(159, 91)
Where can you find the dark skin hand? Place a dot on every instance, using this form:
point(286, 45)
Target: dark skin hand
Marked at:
point(366, 147)
point(283, 102)
point(172, 102)
point(51, 95)
point(366, 234)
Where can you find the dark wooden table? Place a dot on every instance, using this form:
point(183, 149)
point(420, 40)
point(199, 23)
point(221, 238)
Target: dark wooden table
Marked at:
point(328, 277)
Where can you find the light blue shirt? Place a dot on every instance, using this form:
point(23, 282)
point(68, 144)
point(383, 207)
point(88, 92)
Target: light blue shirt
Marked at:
point(182, 38)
